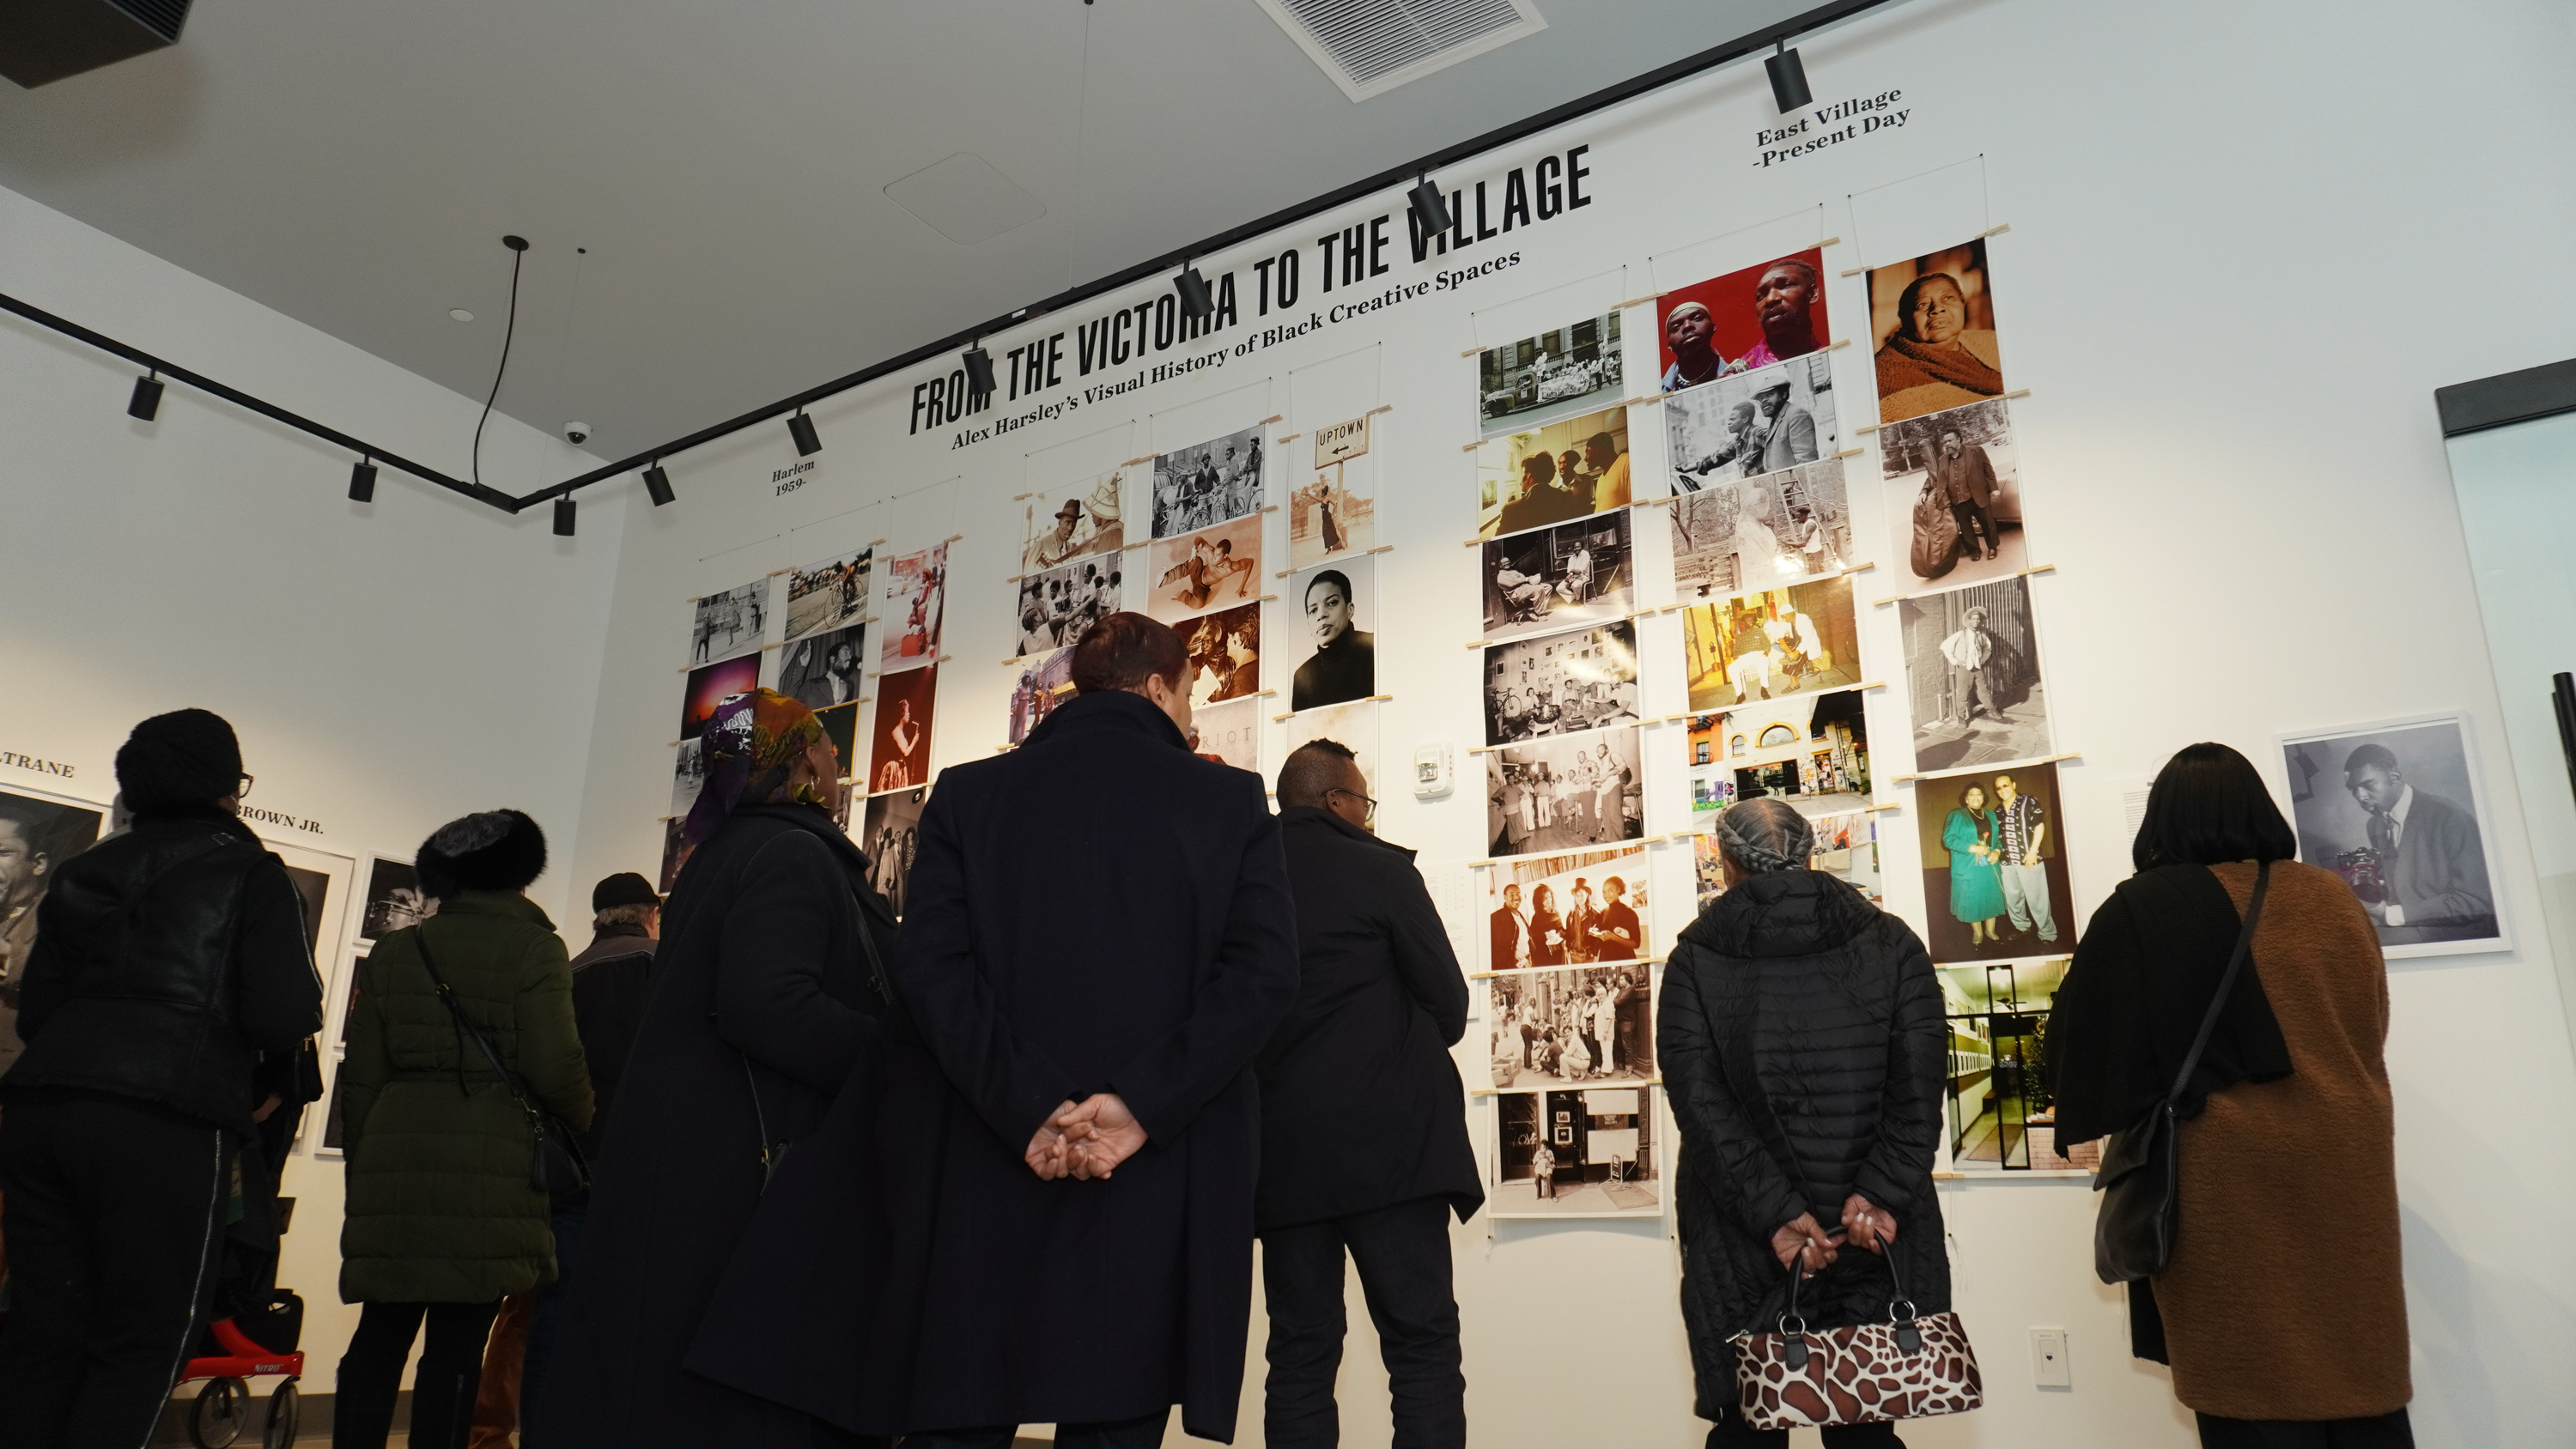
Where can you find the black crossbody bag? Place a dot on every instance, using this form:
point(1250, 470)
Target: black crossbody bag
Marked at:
point(556, 1166)
point(2133, 1234)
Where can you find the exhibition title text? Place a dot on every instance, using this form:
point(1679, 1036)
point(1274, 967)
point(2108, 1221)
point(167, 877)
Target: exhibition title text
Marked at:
point(1826, 126)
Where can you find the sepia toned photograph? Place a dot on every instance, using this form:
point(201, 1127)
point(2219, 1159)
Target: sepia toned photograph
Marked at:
point(712, 684)
point(1751, 423)
point(1553, 1029)
point(1994, 864)
point(2000, 1114)
point(1548, 578)
point(1044, 684)
point(1076, 522)
point(1058, 606)
point(1210, 569)
point(829, 595)
point(1225, 654)
point(1759, 533)
point(395, 901)
point(729, 623)
point(822, 670)
point(890, 836)
point(1567, 910)
point(1742, 321)
point(1810, 749)
point(899, 755)
point(1972, 676)
point(1228, 733)
point(1932, 333)
point(841, 726)
point(1568, 370)
point(37, 834)
point(1587, 1153)
point(1332, 640)
point(1553, 474)
point(1953, 490)
point(1802, 638)
point(1208, 483)
point(1336, 512)
point(1353, 726)
point(2395, 810)
point(1558, 684)
point(1564, 792)
point(688, 777)
point(908, 617)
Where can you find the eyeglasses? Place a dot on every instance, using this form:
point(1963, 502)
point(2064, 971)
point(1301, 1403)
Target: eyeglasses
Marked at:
point(242, 791)
point(1356, 795)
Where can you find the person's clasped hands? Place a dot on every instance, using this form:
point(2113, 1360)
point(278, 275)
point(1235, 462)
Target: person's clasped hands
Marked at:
point(1085, 1140)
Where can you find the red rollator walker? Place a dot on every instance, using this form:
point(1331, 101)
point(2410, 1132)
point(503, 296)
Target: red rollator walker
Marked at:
point(222, 1408)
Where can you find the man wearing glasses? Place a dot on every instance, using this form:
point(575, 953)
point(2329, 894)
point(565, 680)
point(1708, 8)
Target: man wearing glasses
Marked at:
point(1363, 1123)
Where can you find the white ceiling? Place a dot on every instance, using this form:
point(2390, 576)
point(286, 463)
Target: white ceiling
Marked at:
point(353, 163)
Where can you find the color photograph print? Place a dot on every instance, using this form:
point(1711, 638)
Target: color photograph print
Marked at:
point(1846, 849)
point(1557, 684)
point(1341, 442)
point(1229, 733)
point(1073, 522)
point(1752, 423)
point(2395, 810)
point(1972, 676)
point(1759, 533)
point(825, 669)
point(1712, 780)
point(1590, 1153)
point(688, 777)
point(1557, 1029)
point(1577, 909)
point(1208, 483)
point(1953, 490)
point(1059, 605)
point(1742, 321)
point(832, 594)
point(1547, 578)
point(1334, 513)
point(899, 756)
point(1352, 726)
point(1568, 370)
point(1809, 749)
point(676, 851)
point(1332, 640)
point(1932, 328)
point(1994, 864)
point(1802, 638)
point(890, 836)
point(916, 595)
point(729, 623)
point(841, 726)
point(1043, 685)
point(1553, 474)
point(37, 834)
point(395, 901)
point(1997, 1108)
point(1211, 568)
point(1225, 654)
point(711, 685)
point(1563, 792)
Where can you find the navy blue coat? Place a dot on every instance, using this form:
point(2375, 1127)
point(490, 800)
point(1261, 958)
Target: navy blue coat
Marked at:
point(1097, 911)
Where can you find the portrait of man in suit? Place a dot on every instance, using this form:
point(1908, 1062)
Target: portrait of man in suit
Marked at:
point(2395, 810)
point(2432, 862)
point(1511, 933)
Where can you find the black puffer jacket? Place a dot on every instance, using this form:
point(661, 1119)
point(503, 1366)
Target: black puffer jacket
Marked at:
point(1802, 1046)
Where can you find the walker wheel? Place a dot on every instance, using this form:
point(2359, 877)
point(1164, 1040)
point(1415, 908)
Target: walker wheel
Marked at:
point(220, 1413)
point(285, 1416)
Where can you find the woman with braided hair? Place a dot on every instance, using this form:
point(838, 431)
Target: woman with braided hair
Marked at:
point(1802, 1046)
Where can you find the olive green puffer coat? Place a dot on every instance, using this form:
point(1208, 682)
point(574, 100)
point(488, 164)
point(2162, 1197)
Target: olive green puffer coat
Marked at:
point(439, 1207)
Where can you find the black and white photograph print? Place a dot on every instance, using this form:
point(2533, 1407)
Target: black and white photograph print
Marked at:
point(1075, 522)
point(1571, 369)
point(1563, 792)
point(1046, 682)
point(1548, 578)
point(1208, 568)
point(1781, 641)
point(37, 834)
point(890, 837)
point(1810, 749)
point(1353, 726)
point(1750, 423)
point(729, 623)
point(1565, 470)
point(1953, 484)
point(688, 777)
point(916, 598)
point(395, 901)
point(827, 595)
point(1556, 684)
point(1552, 1029)
point(1577, 909)
point(1225, 654)
point(1208, 483)
point(1994, 864)
point(822, 670)
point(1759, 533)
point(1057, 606)
point(1228, 733)
point(841, 726)
point(1972, 676)
point(1333, 633)
point(1587, 1153)
point(2394, 808)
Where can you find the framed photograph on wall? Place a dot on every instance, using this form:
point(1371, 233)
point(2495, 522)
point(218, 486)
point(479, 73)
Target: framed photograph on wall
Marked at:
point(1592, 1152)
point(1549, 578)
point(1209, 568)
point(729, 623)
point(1076, 519)
point(1564, 792)
point(1571, 369)
point(1568, 469)
point(2395, 809)
point(1994, 864)
point(1802, 638)
point(1551, 1030)
point(38, 831)
point(1932, 332)
point(827, 595)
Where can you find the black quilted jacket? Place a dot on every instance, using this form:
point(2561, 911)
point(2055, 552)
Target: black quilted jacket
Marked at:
point(1802, 1045)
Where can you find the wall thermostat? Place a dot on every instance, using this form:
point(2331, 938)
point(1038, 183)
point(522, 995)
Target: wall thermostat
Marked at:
point(1435, 772)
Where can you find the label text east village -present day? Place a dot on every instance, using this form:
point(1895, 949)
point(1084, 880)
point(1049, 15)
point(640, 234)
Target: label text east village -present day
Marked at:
point(1829, 126)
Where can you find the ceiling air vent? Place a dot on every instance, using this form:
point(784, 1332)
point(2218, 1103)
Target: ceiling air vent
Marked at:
point(1372, 46)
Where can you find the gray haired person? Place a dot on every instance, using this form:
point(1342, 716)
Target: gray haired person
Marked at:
point(1801, 1043)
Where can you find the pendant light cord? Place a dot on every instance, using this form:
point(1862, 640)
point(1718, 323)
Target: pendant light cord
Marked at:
point(517, 256)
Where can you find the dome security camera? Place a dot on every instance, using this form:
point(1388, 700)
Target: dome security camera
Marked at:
point(576, 433)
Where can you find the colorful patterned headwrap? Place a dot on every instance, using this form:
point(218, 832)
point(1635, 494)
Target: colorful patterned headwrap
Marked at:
point(750, 742)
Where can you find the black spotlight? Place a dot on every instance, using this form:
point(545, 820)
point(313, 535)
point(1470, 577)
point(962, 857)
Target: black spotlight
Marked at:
point(1430, 207)
point(1196, 300)
point(1788, 79)
point(657, 485)
point(362, 482)
point(563, 516)
point(979, 371)
point(147, 398)
point(801, 428)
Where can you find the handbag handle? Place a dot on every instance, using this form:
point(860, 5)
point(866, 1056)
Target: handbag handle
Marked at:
point(2226, 983)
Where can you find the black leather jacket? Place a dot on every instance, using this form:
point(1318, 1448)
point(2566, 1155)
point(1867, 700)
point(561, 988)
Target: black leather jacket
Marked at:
point(168, 957)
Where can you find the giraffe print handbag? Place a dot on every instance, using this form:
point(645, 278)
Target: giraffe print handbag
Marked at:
point(1908, 1367)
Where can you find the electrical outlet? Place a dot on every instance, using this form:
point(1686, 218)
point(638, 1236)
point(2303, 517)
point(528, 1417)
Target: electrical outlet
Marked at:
point(2048, 1367)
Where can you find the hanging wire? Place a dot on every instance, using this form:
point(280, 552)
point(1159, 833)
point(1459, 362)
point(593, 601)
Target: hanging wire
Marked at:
point(517, 256)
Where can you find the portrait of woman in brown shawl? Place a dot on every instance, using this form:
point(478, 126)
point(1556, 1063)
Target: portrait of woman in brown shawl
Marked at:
point(1934, 318)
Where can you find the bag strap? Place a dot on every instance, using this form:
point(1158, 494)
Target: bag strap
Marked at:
point(465, 1024)
point(2226, 983)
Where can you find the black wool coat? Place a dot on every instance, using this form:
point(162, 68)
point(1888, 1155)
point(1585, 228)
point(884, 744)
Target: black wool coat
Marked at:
point(1361, 1106)
point(1802, 1044)
point(1097, 911)
point(761, 976)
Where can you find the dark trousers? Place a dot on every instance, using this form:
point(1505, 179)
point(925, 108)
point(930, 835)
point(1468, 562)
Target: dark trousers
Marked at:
point(545, 1327)
point(2388, 1431)
point(115, 1218)
point(1975, 523)
point(1143, 1433)
point(442, 1392)
point(1733, 1433)
point(1402, 1254)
